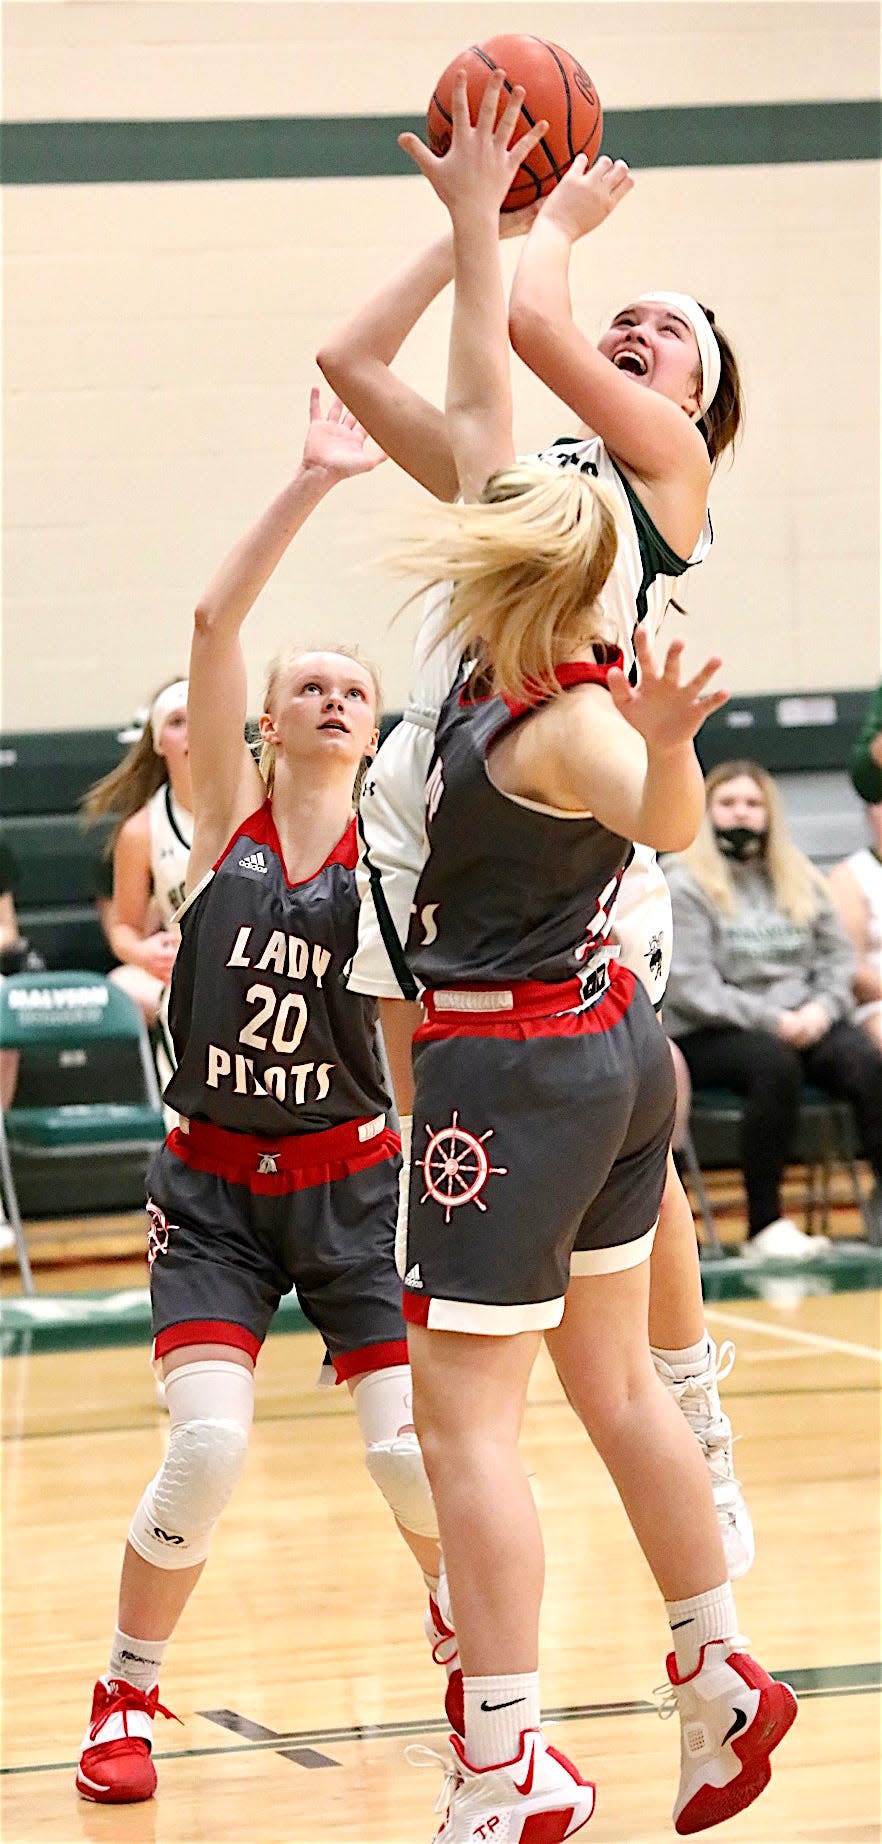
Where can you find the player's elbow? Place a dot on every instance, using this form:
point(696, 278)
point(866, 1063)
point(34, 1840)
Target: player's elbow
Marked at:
point(671, 832)
point(205, 619)
point(331, 361)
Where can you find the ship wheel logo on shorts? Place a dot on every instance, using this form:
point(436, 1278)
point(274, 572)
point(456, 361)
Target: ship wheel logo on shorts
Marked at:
point(157, 1232)
point(456, 1167)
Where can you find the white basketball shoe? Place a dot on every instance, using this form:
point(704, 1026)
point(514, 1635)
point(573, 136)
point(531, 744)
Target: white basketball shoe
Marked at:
point(538, 1798)
point(699, 1399)
point(732, 1715)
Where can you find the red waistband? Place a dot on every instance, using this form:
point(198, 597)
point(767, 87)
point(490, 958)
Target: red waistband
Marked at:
point(292, 1162)
point(569, 1008)
point(522, 999)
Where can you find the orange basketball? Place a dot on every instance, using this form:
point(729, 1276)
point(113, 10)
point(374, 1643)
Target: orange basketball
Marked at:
point(558, 90)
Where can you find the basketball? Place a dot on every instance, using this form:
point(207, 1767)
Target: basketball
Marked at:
point(558, 91)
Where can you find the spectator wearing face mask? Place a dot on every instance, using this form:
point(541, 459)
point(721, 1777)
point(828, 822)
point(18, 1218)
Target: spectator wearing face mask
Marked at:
point(760, 995)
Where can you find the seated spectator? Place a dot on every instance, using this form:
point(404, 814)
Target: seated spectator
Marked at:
point(150, 794)
point(760, 994)
point(16, 956)
point(865, 763)
point(856, 885)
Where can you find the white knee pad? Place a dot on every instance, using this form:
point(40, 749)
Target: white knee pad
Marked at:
point(210, 1406)
point(384, 1407)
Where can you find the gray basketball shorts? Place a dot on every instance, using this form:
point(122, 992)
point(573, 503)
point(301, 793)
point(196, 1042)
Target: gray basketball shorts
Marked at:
point(540, 1142)
point(225, 1244)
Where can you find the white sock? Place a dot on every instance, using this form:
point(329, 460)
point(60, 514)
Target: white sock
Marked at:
point(694, 1622)
point(136, 1660)
point(690, 1362)
point(497, 1710)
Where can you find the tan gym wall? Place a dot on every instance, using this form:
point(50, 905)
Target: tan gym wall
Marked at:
point(159, 337)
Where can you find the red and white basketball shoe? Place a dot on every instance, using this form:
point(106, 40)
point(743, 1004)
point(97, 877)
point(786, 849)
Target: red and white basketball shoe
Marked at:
point(445, 1651)
point(115, 1767)
point(538, 1798)
point(732, 1715)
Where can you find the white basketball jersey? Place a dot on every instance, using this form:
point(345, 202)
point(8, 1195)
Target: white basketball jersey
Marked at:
point(641, 582)
point(171, 835)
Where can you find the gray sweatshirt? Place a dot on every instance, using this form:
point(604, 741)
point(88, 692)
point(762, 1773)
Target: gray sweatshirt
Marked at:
point(747, 968)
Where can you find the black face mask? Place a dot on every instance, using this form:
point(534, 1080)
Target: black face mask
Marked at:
point(740, 842)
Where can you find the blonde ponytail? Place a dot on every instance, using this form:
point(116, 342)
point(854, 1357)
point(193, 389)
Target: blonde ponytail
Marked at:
point(528, 562)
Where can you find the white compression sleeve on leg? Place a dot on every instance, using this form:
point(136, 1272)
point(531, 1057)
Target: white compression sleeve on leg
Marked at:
point(210, 1406)
point(384, 1407)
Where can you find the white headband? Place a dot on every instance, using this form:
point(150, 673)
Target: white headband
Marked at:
point(708, 350)
point(171, 699)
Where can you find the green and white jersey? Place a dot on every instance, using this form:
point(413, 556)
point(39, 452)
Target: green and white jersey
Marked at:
point(641, 582)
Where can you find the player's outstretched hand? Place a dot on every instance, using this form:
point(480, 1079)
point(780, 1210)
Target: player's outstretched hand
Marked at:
point(587, 194)
point(336, 443)
point(481, 161)
point(666, 713)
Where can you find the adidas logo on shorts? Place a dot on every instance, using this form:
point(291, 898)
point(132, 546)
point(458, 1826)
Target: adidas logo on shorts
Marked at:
point(413, 1277)
point(255, 861)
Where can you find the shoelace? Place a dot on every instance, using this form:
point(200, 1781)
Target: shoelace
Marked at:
point(416, 1755)
point(664, 1696)
point(725, 1360)
point(131, 1698)
point(693, 1396)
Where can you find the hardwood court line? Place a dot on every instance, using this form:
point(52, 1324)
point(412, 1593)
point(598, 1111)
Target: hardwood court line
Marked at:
point(791, 1335)
point(842, 1680)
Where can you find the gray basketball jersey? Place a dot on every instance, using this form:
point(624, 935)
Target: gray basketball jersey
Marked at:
point(267, 1038)
point(511, 890)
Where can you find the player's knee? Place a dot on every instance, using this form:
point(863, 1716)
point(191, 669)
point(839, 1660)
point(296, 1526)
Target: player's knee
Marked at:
point(396, 1467)
point(384, 1407)
point(210, 1411)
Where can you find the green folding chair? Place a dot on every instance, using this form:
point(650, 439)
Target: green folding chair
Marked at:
point(86, 1112)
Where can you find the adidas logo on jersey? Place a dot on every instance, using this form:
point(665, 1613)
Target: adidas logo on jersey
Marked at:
point(413, 1277)
point(255, 861)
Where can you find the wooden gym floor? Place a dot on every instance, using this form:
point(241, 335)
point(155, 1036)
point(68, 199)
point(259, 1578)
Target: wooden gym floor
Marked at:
point(300, 1670)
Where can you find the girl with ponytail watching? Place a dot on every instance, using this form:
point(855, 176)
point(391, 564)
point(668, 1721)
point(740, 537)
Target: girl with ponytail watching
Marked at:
point(151, 798)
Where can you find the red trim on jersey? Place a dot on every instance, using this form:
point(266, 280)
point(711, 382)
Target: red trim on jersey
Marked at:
point(261, 827)
point(369, 1357)
point(415, 1307)
point(301, 1160)
point(206, 1332)
point(572, 672)
point(530, 1021)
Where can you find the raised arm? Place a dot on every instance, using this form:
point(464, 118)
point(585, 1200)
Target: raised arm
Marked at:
point(643, 430)
point(357, 362)
point(472, 179)
point(226, 783)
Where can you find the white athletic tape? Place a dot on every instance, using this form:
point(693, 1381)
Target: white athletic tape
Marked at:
point(210, 1405)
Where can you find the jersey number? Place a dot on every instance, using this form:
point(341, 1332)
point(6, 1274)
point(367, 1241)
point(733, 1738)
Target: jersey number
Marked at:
point(291, 1009)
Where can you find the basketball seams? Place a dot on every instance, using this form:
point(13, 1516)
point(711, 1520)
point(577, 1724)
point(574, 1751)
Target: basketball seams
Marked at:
point(568, 94)
point(574, 117)
point(557, 172)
